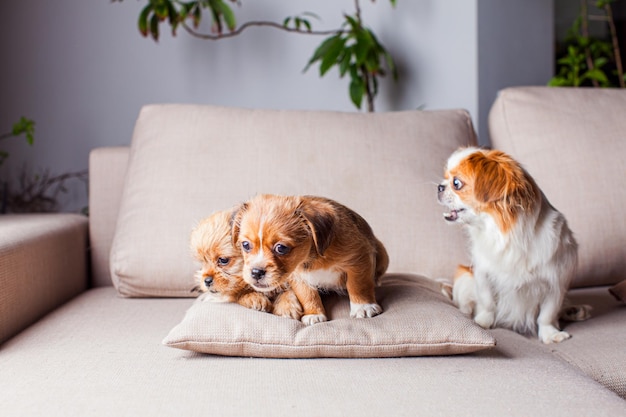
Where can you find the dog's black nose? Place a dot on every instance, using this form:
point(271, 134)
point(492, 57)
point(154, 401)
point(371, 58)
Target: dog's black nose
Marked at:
point(208, 281)
point(441, 188)
point(257, 273)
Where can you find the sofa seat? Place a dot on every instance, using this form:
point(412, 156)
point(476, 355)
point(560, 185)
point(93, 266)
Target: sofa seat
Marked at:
point(597, 346)
point(101, 354)
point(91, 352)
point(43, 259)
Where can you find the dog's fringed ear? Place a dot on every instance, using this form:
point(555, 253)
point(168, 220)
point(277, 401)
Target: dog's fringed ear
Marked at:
point(319, 218)
point(503, 180)
point(235, 222)
point(504, 186)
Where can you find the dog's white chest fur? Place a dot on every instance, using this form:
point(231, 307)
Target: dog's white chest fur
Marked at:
point(329, 279)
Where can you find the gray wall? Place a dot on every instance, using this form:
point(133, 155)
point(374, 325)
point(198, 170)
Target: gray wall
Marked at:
point(82, 71)
point(515, 47)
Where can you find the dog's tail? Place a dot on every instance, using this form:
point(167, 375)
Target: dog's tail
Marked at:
point(382, 261)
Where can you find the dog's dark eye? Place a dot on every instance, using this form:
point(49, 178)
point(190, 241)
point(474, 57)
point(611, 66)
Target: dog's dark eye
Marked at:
point(222, 261)
point(281, 249)
point(246, 246)
point(457, 183)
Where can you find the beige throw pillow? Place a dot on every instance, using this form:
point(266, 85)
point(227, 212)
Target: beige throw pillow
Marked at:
point(187, 161)
point(573, 142)
point(417, 320)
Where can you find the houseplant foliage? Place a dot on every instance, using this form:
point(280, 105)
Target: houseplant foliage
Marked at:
point(588, 61)
point(33, 193)
point(352, 48)
point(25, 127)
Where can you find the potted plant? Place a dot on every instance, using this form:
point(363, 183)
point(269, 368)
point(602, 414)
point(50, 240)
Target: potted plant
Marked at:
point(352, 48)
point(586, 60)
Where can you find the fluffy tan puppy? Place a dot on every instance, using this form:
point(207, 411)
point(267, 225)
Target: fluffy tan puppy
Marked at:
point(219, 277)
point(310, 243)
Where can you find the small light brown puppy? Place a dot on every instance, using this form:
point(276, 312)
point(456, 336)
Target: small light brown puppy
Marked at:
point(219, 277)
point(310, 243)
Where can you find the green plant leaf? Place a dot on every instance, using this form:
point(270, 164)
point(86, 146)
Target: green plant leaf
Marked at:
point(596, 74)
point(26, 127)
point(228, 15)
point(321, 50)
point(344, 62)
point(357, 90)
point(559, 82)
point(332, 53)
point(154, 27)
point(363, 44)
point(600, 62)
point(143, 20)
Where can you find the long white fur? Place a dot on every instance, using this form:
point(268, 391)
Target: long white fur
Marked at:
point(521, 276)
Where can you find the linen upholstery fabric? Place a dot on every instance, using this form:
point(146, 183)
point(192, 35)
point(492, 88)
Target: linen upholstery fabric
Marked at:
point(100, 355)
point(573, 142)
point(188, 161)
point(597, 345)
point(417, 320)
point(34, 266)
point(107, 169)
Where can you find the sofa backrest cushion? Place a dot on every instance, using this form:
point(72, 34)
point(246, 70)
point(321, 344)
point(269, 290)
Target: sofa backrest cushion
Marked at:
point(187, 161)
point(573, 142)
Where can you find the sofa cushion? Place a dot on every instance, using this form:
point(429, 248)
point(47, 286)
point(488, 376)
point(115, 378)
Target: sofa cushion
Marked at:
point(188, 161)
point(42, 265)
point(417, 320)
point(597, 345)
point(572, 141)
point(100, 355)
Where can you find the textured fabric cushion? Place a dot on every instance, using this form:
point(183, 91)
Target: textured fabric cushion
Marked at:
point(573, 141)
point(417, 320)
point(598, 345)
point(107, 169)
point(43, 263)
point(188, 161)
point(100, 355)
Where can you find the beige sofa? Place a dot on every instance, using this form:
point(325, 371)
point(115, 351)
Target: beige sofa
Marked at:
point(85, 304)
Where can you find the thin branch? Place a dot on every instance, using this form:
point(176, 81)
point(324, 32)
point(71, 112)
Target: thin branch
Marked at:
point(616, 51)
point(585, 32)
point(247, 25)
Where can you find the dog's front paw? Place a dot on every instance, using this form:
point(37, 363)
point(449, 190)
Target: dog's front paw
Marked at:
point(287, 305)
point(364, 310)
point(256, 301)
point(550, 334)
point(485, 319)
point(310, 319)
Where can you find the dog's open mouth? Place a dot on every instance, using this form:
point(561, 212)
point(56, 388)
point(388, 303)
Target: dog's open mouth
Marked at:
point(453, 215)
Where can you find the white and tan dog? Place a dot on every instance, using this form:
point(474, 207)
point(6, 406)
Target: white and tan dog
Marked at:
point(310, 243)
point(523, 253)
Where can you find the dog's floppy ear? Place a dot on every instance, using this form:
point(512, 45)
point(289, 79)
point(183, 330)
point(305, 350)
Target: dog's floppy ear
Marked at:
point(235, 222)
point(505, 187)
point(319, 218)
point(503, 179)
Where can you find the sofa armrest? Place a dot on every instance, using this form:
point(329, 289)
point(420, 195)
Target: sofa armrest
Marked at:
point(43, 263)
